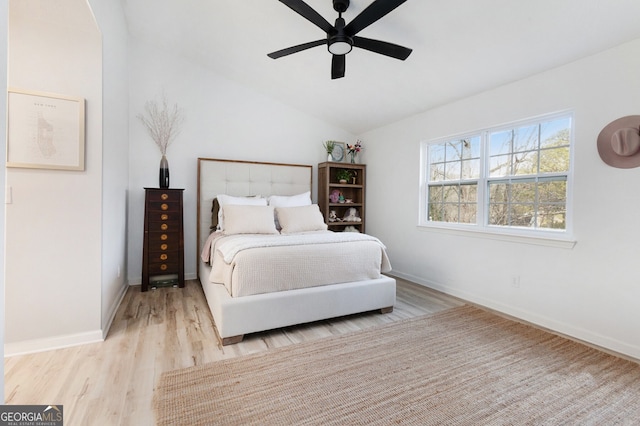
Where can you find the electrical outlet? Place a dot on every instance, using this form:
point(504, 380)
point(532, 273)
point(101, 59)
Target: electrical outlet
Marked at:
point(515, 281)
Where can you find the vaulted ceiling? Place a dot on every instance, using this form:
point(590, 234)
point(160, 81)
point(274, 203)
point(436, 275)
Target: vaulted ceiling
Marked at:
point(460, 48)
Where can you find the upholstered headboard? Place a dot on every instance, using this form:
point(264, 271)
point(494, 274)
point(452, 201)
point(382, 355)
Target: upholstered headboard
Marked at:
point(244, 178)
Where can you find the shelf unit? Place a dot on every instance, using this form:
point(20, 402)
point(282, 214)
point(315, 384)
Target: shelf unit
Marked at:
point(353, 190)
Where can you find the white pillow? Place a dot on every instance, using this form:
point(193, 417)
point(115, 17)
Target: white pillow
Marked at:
point(248, 219)
point(224, 200)
point(303, 199)
point(300, 219)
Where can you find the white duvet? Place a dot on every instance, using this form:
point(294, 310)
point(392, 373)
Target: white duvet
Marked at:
point(252, 264)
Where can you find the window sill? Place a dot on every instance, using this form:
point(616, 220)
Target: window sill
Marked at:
point(536, 239)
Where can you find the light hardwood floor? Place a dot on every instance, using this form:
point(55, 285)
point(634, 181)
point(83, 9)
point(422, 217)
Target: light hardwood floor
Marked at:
point(112, 382)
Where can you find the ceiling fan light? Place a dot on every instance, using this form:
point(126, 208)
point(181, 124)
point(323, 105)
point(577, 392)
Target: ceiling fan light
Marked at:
point(340, 47)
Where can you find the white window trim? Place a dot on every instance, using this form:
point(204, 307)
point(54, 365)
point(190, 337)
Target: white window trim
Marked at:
point(549, 238)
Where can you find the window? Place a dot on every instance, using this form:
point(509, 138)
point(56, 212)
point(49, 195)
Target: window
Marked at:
point(512, 178)
point(454, 171)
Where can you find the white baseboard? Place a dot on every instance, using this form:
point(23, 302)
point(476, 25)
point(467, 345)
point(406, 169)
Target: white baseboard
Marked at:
point(568, 330)
point(114, 310)
point(51, 343)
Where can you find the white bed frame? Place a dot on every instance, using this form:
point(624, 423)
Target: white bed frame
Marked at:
point(235, 317)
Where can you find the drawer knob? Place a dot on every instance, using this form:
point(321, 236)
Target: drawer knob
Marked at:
point(163, 267)
point(164, 237)
point(163, 256)
point(164, 206)
point(164, 197)
point(164, 226)
point(164, 216)
point(164, 246)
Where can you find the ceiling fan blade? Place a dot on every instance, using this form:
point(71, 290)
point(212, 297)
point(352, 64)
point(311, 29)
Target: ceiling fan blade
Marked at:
point(371, 14)
point(309, 14)
point(382, 47)
point(338, 64)
point(296, 49)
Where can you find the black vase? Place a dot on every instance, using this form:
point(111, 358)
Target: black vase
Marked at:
point(164, 172)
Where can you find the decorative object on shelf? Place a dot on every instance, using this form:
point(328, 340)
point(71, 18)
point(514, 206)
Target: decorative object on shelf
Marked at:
point(164, 172)
point(333, 216)
point(163, 124)
point(328, 146)
point(344, 175)
point(335, 150)
point(353, 150)
point(352, 215)
point(350, 228)
point(334, 196)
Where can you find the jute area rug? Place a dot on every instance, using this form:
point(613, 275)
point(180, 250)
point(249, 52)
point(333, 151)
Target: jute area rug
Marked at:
point(462, 366)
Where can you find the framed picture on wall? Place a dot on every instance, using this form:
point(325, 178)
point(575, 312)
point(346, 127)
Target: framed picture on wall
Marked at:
point(45, 130)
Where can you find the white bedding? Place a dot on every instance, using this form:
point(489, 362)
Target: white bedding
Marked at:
point(237, 316)
point(256, 264)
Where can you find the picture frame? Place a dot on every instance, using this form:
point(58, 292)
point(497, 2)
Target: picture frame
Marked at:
point(45, 130)
point(339, 153)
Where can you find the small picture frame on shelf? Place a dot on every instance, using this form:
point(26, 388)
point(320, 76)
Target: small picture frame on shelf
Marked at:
point(339, 153)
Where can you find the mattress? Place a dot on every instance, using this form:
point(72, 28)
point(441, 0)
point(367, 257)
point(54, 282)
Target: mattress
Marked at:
point(257, 264)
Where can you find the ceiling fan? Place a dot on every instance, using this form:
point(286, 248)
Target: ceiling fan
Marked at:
point(341, 37)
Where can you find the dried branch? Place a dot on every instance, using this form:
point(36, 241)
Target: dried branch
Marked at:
point(162, 123)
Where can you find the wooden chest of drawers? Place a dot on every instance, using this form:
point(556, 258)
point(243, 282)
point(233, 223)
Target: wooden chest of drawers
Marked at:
point(163, 249)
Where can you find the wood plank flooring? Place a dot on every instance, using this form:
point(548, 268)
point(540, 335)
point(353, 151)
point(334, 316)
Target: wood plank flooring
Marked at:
point(112, 382)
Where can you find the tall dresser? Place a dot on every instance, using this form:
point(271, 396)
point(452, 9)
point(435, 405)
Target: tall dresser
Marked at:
point(163, 250)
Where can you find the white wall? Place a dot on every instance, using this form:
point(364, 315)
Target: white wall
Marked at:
point(3, 114)
point(115, 154)
point(591, 291)
point(53, 226)
point(222, 120)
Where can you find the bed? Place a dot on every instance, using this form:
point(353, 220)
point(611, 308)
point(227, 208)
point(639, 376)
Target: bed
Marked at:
point(334, 290)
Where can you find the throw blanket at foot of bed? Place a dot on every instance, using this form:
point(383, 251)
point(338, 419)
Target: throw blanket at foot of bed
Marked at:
point(231, 245)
